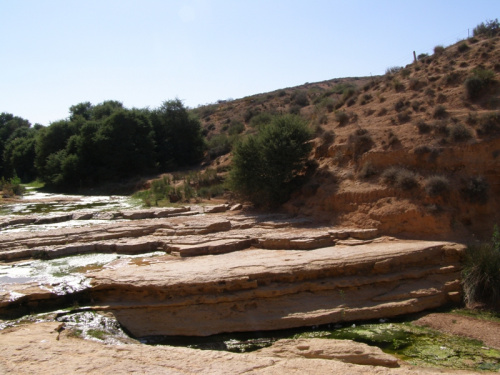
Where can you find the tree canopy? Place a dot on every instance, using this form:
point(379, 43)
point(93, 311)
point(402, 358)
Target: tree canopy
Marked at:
point(100, 143)
point(266, 166)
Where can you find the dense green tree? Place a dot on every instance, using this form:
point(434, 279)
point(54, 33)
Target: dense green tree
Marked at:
point(51, 141)
point(125, 145)
point(19, 155)
point(8, 126)
point(83, 110)
point(266, 166)
point(179, 141)
point(100, 143)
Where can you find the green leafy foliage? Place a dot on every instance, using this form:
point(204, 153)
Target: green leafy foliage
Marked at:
point(489, 28)
point(266, 166)
point(481, 272)
point(100, 143)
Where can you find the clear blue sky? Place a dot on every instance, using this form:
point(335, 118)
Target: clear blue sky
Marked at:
point(57, 53)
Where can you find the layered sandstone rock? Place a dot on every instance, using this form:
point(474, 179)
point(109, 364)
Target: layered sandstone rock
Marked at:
point(258, 289)
point(237, 272)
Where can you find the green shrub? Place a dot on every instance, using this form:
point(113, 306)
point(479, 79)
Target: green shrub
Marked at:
point(489, 29)
point(236, 128)
point(481, 272)
point(266, 167)
point(218, 145)
point(437, 186)
point(478, 83)
point(11, 186)
point(261, 119)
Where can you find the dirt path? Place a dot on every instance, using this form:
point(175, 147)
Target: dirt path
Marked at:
point(483, 330)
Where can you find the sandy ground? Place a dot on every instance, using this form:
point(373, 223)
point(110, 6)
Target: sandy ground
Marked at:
point(483, 330)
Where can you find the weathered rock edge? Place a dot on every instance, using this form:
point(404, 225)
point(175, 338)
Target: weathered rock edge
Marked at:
point(256, 290)
point(42, 348)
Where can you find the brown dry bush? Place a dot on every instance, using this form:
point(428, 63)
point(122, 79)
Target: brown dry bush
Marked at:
point(437, 186)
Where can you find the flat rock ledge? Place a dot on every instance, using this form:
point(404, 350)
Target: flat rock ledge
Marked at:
point(233, 272)
point(254, 290)
point(41, 348)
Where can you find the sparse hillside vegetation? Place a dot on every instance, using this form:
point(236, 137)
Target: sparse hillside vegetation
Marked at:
point(433, 123)
point(420, 121)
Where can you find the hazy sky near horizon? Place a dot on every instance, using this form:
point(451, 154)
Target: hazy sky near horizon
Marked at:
point(57, 53)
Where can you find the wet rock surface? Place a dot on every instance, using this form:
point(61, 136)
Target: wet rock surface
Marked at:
point(193, 271)
point(234, 271)
point(48, 348)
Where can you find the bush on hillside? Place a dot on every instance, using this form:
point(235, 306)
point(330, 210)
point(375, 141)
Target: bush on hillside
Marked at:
point(490, 29)
point(400, 177)
point(438, 50)
point(300, 98)
point(437, 186)
point(342, 118)
point(460, 133)
point(481, 272)
point(489, 123)
point(423, 127)
point(476, 190)
point(367, 170)
point(440, 112)
point(478, 83)
point(393, 69)
point(462, 47)
point(359, 142)
point(266, 167)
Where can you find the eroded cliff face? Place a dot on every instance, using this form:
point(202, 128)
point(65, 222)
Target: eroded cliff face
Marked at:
point(394, 211)
point(229, 272)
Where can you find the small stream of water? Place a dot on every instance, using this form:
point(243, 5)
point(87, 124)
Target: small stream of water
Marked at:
point(417, 345)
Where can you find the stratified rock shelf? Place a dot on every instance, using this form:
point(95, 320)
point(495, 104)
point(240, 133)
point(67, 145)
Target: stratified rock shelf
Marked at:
point(257, 289)
point(231, 272)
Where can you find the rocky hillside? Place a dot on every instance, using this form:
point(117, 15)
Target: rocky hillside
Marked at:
point(412, 152)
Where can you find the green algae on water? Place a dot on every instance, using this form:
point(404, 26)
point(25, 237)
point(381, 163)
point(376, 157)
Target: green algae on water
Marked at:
point(422, 346)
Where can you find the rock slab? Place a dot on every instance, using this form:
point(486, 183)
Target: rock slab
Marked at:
point(257, 289)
